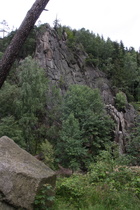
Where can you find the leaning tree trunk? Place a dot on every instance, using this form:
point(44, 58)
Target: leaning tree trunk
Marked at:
point(19, 38)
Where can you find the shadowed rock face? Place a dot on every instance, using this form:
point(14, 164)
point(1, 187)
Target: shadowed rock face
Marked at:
point(4, 206)
point(21, 175)
point(122, 124)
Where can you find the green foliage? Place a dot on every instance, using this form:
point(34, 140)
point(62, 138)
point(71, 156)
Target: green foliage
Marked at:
point(117, 177)
point(105, 186)
point(79, 99)
point(48, 151)
point(54, 104)
point(90, 61)
point(5, 41)
point(23, 106)
point(121, 65)
point(136, 105)
point(133, 146)
point(78, 193)
point(72, 189)
point(78, 130)
point(53, 116)
point(29, 46)
point(120, 101)
point(1, 54)
point(97, 130)
point(71, 143)
point(99, 171)
point(33, 86)
point(83, 120)
point(31, 106)
point(44, 197)
point(8, 96)
point(71, 40)
point(10, 127)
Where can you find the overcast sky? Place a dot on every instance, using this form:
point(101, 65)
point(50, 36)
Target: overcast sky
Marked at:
point(116, 19)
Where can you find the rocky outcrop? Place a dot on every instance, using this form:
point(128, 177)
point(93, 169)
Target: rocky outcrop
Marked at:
point(64, 67)
point(123, 122)
point(120, 127)
point(21, 176)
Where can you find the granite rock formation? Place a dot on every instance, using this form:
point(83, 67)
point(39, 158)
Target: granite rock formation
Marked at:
point(21, 176)
point(65, 67)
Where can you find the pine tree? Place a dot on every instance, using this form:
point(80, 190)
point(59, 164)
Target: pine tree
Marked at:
point(70, 150)
point(31, 106)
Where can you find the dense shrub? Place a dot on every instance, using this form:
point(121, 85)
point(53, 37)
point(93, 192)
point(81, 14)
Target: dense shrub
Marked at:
point(85, 127)
point(105, 186)
point(120, 101)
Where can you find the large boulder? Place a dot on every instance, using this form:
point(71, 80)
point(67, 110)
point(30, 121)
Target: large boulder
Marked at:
point(21, 176)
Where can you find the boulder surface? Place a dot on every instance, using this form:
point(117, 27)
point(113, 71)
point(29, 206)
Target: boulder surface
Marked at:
point(21, 176)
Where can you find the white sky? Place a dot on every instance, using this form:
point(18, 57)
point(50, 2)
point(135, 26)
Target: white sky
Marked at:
point(116, 19)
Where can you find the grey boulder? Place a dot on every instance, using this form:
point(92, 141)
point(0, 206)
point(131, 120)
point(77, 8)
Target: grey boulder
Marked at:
point(21, 176)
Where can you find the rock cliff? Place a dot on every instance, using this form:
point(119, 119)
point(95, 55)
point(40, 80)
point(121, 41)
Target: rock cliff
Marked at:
point(64, 67)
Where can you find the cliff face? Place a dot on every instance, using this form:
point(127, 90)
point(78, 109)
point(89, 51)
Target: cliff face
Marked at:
point(65, 67)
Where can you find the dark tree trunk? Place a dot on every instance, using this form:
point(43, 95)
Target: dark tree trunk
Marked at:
point(19, 38)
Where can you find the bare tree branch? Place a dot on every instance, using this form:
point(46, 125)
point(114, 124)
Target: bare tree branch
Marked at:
point(19, 38)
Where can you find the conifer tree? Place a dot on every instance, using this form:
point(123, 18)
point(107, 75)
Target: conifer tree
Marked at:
point(85, 127)
point(31, 106)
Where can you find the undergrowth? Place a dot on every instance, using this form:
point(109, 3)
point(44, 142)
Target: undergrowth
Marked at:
point(106, 186)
